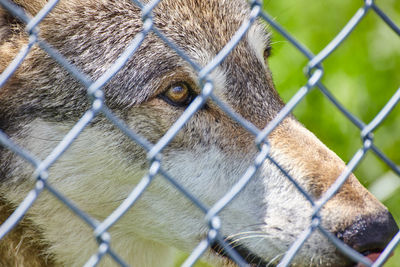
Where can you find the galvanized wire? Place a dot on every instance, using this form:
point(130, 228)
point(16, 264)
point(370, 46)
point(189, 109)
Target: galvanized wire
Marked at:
point(314, 72)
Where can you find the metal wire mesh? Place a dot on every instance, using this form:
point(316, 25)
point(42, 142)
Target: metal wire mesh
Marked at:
point(154, 151)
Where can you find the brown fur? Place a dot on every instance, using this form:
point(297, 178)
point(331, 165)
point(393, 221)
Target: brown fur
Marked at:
point(352, 198)
point(22, 246)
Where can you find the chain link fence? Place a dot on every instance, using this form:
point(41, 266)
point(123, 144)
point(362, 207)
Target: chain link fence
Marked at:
point(314, 72)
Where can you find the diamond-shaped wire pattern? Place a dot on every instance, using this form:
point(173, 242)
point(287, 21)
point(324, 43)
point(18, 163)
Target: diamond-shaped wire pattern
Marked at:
point(154, 151)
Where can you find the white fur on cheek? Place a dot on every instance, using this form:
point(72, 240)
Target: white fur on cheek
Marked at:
point(94, 174)
point(91, 174)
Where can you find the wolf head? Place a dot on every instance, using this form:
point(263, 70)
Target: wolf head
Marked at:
point(41, 102)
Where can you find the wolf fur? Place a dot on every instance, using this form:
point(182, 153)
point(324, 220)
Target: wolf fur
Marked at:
point(41, 102)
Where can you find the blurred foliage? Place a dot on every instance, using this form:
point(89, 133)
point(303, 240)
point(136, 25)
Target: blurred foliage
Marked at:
point(362, 73)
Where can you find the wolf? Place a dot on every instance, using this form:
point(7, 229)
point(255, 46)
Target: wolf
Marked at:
point(41, 102)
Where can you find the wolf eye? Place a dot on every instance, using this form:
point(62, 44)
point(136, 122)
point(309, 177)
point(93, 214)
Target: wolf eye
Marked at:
point(267, 52)
point(178, 94)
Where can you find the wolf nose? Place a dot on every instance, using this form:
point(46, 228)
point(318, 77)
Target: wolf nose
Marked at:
point(370, 233)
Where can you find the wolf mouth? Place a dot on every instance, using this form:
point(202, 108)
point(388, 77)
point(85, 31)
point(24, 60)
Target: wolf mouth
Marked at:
point(252, 259)
point(256, 261)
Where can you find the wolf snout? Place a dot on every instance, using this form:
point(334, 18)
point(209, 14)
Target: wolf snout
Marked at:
point(370, 234)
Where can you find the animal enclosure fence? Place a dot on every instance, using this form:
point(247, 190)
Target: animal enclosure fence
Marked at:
point(314, 72)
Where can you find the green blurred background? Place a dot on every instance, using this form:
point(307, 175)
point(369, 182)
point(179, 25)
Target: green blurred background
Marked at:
point(363, 73)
